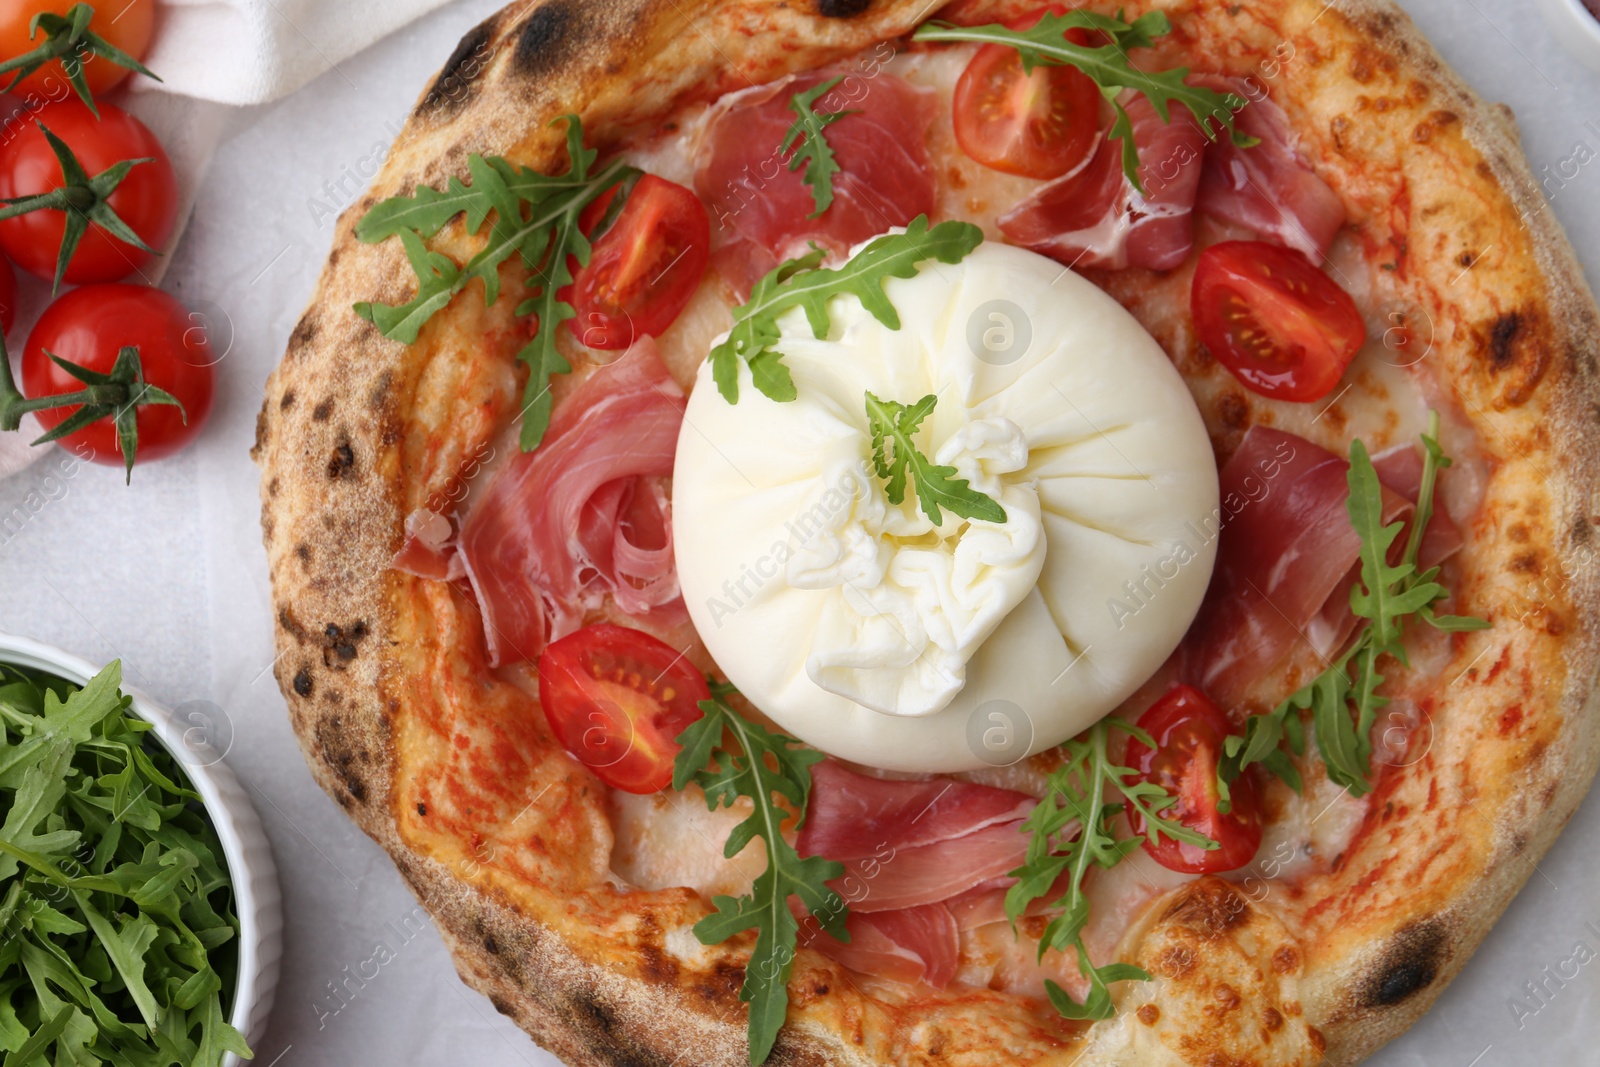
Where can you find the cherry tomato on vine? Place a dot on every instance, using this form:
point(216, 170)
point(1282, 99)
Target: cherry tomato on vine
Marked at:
point(124, 25)
point(617, 698)
point(1284, 328)
point(91, 326)
point(644, 267)
point(1041, 124)
point(145, 199)
point(8, 296)
point(1189, 730)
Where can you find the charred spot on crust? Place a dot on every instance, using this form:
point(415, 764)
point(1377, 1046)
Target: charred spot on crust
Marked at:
point(458, 76)
point(333, 744)
point(339, 643)
point(422, 809)
point(378, 395)
point(1581, 532)
point(490, 945)
point(842, 9)
point(302, 682)
point(342, 461)
point(1410, 963)
point(1518, 345)
point(290, 624)
point(540, 40)
point(287, 401)
point(1501, 337)
point(321, 412)
point(304, 331)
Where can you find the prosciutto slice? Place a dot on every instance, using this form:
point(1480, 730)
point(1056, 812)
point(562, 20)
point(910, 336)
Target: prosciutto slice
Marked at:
point(921, 944)
point(885, 177)
point(906, 844)
point(1094, 217)
point(1267, 187)
point(584, 516)
point(1286, 559)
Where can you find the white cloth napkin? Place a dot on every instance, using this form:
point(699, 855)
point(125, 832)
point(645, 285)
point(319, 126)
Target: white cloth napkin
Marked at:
point(253, 51)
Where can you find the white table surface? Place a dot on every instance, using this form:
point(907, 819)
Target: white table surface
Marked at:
point(170, 576)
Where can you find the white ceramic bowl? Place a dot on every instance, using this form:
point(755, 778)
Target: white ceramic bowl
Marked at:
point(1576, 28)
point(255, 878)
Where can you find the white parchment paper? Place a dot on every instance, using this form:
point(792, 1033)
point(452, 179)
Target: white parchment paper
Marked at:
point(170, 576)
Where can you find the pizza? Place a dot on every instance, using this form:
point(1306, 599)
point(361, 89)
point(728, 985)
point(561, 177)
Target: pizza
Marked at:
point(862, 531)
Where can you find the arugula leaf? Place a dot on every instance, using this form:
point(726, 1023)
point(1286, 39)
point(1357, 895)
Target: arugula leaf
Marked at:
point(1074, 826)
point(893, 427)
point(1343, 699)
point(1108, 67)
point(804, 283)
point(115, 908)
point(766, 767)
point(805, 139)
point(535, 218)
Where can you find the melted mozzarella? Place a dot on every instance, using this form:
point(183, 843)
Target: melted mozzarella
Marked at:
point(870, 633)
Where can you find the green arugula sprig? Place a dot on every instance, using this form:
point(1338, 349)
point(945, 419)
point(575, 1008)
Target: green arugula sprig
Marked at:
point(805, 284)
point(116, 396)
point(535, 217)
point(1108, 67)
point(116, 921)
point(1386, 596)
point(765, 767)
point(806, 140)
point(896, 458)
point(82, 200)
point(1074, 826)
point(69, 39)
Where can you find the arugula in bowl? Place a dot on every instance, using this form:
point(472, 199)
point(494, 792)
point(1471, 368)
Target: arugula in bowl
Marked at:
point(118, 939)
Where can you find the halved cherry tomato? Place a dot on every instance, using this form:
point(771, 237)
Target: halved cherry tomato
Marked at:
point(1188, 731)
point(1284, 328)
point(644, 268)
point(1039, 125)
point(147, 199)
point(125, 25)
point(616, 699)
point(89, 326)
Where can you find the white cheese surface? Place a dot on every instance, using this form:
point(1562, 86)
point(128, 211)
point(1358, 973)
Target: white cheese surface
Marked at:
point(867, 631)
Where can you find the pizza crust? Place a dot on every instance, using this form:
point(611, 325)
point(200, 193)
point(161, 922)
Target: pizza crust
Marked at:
point(379, 675)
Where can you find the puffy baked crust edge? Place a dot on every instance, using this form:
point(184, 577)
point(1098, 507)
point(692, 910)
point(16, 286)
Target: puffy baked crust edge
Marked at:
point(329, 445)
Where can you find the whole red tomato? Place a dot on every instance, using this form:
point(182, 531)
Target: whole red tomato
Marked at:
point(125, 25)
point(146, 199)
point(90, 326)
point(8, 296)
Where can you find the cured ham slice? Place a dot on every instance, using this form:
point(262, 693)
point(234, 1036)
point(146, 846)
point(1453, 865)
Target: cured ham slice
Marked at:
point(1286, 559)
point(1266, 187)
point(584, 516)
point(905, 843)
point(852, 816)
point(885, 177)
point(921, 944)
point(1094, 217)
point(428, 550)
